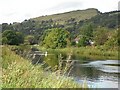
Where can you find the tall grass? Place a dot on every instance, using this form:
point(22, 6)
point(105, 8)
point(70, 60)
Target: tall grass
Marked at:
point(94, 53)
point(20, 73)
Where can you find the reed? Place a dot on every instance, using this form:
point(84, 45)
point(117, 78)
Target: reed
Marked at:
point(20, 73)
point(96, 52)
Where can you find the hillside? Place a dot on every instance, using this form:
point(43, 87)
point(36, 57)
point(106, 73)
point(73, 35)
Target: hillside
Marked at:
point(36, 25)
point(72, 21)
point(108, 19)
point(61, 18)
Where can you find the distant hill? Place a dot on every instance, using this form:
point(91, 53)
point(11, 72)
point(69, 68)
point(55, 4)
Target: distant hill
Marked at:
point(71, 21)
point(108, 19)
point(41, 23)
point(78, 15)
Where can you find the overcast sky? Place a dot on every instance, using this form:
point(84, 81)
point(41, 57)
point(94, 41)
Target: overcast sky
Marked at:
point(19, 10)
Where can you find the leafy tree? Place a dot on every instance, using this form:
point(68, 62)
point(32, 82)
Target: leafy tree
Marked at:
point(101, 36)
point(83, 41)
point(30, 39)
point(56, 38)
point(86, 35)
point(112, 38)
point(12, 38)
point(20, 37)
point(87, 31)
point(4, 40)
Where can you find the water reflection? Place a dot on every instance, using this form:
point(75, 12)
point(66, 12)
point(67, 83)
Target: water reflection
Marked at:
point(95, 77)
point(110, 66)
point(97, 73)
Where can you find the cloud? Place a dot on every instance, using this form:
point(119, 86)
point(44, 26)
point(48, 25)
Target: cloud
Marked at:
point(119, 5)
point(19, 10)
point(65, 6)
point(9, 14)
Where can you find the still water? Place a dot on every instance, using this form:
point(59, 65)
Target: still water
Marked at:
point(96, 73)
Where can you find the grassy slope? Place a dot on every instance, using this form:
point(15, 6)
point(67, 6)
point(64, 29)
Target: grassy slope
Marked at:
point(20, 73)
point(62, 17)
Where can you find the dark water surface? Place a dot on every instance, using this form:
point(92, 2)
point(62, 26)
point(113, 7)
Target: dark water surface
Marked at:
point(97, 74)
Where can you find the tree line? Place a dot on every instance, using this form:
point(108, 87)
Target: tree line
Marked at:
point(61, 38)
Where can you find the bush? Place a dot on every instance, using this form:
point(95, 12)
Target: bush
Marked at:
point(12, 38)
point(56, 38)
point(30, 40)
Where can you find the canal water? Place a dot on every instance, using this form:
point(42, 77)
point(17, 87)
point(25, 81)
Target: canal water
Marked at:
point(96, 73)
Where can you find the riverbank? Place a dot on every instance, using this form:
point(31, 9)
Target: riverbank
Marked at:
point(20, 73)
point(89, 52)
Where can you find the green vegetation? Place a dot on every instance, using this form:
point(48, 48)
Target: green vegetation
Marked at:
point(93, 53)
point(30, 40)
point(68, 21)
point(108, 19)
point(20, 73)
point(56, 38)
point(88, 52)
point(86, 34)
point(88, 25)
point(71, 21)
point(83, 33)
point(12, 38)
point(62, 17)
point(75, 29)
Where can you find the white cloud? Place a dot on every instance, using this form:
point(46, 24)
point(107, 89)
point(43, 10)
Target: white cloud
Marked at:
point(102, 5)
point(19, 10)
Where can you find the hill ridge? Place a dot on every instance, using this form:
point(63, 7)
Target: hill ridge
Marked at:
point(77, 14)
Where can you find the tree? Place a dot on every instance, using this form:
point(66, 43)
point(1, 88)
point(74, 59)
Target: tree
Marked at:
point(112, 39)
point(20, 37)
point(86, 35)
point(12, 38)
point(4, 40)
point(101, 36)
point(83, 41)
point(87, 31)
point(30, 39)
point(56, 38)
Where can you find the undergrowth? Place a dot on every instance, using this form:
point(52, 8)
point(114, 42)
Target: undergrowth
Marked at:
point(20, 73)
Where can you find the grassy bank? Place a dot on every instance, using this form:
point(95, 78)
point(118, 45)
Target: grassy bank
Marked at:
point(20, 73)
point(96, 52)
point(93, 52)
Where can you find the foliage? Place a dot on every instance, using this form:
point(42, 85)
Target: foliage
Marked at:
point(108, 19)
point(112, 39)
point(87, 31)
point(67, 21)
point(100, 36)
point(92, 53)
point(4, 40)
point(86, 34)
point(80, 22)
point(30, 39)
point(20, 73)
point(56, 38)
point(83, 41)
point(20, 37)
point(12, 38)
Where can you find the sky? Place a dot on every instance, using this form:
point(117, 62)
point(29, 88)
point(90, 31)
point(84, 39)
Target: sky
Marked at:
point(19, 10)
